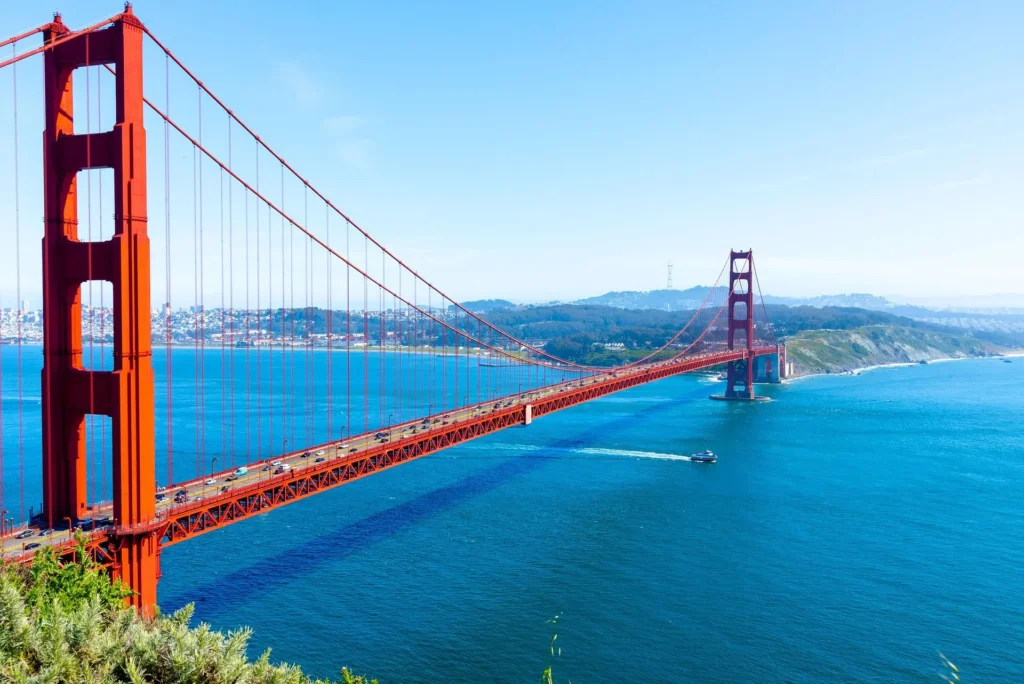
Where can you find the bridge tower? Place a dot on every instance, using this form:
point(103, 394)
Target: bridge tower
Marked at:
point(70, 391)
point(740, 373)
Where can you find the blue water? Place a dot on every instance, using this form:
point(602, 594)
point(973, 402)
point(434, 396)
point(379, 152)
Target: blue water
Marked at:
point(851, 530)
point(247, 405)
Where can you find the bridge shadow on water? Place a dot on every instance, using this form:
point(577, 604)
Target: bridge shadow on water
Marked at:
point(212, 596)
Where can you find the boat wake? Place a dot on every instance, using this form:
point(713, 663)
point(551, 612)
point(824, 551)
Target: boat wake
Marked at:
point(626, 453)
point(583, 451)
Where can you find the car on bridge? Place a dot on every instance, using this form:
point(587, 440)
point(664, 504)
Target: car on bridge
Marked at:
point(161, 497)
point(321, 459)
point(23, 534)
point(181, 496)
point(33, 545)
point(210, 481)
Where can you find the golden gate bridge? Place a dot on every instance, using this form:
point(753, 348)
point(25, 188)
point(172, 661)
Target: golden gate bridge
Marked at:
point(278, 286)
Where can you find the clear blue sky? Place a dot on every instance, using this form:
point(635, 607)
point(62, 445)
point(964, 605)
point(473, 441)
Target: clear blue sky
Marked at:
point(540, 150)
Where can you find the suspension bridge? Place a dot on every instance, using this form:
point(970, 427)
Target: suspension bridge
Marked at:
point(310, 355)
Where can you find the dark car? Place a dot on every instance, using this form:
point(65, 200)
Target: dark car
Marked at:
point(23, 534)
point(225, 488)
point(353, 450)
point(265, 468)
point(230, 478)
point(320, 460)
point(161, 497)
point(33, 545)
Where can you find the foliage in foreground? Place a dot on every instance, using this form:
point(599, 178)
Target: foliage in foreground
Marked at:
point(70, 624)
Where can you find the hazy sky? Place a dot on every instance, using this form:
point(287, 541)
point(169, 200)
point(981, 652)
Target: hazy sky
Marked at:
point(540, 150)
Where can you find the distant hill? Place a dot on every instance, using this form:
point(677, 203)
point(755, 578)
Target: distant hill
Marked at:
point(690, 299)
point(662, 300)
point(1007, 320)
point(485, 305)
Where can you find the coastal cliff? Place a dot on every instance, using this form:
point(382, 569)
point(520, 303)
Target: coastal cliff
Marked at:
point(835, 351)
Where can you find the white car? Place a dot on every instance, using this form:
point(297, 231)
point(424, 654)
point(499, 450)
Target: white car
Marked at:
point(320, 452)
point(211, 481)
point(275, 463)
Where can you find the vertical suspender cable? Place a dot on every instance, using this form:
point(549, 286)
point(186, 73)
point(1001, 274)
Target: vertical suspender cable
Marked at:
point(285, 393)
point(202, 304)
point(382, 324)
point(348, 332)
point(259, 318)
point(195, 307)
point(231, 296)
point(366, 337)
point(17, 308)
point(248, 336)
point(223, 336)
point(167, 269)
point(307, 245)
point(330, 327)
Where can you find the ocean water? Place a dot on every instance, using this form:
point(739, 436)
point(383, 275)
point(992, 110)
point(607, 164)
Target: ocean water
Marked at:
point(851, 530)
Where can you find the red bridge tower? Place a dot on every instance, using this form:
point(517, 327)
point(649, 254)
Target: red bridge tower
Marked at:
point(70, 391)
point(740, 373)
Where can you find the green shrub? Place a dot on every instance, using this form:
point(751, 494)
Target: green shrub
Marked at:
point(69, 624)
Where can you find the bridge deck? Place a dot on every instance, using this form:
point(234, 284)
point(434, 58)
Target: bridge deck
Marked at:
point(311, 471)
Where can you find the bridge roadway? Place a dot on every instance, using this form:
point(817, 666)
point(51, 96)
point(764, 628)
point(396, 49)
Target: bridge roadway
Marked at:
point(227, 497)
